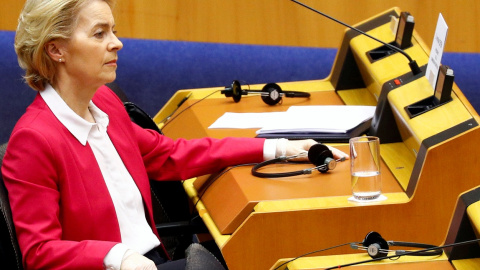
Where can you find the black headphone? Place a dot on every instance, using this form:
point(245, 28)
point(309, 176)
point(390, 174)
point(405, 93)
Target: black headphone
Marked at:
point(271, 93)
point(377, 247)
point(318, 154)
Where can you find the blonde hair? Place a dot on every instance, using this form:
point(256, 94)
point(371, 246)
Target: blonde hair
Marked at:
point(40, 22)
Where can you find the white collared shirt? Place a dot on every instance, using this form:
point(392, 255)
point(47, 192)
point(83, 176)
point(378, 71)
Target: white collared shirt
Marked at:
point(136, 233)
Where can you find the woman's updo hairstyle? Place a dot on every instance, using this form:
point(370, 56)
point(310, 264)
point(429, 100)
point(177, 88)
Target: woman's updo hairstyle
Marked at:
point(40, 22)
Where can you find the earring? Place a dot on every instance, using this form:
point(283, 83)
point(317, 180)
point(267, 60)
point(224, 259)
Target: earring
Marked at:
point(60, 60)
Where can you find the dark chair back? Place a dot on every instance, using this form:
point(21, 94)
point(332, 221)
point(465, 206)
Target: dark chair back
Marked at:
point(10, 256)
point(171, 208)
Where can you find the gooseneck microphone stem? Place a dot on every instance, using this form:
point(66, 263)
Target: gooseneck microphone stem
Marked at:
point(412, 63)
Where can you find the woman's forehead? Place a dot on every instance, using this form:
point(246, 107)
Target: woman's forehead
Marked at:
point(96, 13)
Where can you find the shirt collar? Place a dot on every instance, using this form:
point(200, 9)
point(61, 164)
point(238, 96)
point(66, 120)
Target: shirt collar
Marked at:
point(79, 127)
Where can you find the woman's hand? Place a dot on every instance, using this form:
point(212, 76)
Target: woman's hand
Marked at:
point(136, 261)
point(295, 147)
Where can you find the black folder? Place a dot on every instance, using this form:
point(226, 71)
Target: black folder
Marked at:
point(342, 137)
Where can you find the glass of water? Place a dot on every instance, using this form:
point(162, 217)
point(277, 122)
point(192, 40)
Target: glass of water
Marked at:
point(365, 168)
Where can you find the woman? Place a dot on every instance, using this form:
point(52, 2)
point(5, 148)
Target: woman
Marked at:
point(76, 168)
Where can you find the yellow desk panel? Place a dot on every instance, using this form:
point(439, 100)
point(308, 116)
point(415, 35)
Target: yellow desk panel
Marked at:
point(380, 71)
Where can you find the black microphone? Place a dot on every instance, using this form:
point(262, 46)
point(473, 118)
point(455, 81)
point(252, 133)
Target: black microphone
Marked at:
point(412, 63)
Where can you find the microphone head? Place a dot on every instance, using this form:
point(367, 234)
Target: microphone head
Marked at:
point(319, 154)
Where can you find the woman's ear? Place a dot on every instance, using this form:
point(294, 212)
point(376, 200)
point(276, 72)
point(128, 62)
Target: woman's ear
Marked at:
point(55, 50)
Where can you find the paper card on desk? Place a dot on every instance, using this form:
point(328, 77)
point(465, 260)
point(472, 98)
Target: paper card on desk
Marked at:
point(246, 120)
point(436, 53)
point(320, 119)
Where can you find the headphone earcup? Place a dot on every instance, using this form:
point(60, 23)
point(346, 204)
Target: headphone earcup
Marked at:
point(236, 91)
point(319, 154)
point(274, 94)
point(375, 245)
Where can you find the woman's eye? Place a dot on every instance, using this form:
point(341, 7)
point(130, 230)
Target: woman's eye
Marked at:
point(99, 34)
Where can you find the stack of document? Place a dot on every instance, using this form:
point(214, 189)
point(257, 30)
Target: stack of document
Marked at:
point(325, 122)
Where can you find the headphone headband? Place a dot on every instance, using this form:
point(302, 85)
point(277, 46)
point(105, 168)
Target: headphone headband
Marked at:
point(318, 154)
point(271, 93)
point(377, 247)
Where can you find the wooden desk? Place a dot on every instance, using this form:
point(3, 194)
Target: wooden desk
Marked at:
point(403, 263)
point(233, 197)
point(200, 116)
point(464, 227)
point(262, 220)
point(419, 263)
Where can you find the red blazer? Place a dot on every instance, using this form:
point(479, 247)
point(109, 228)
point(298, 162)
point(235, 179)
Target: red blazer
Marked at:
point(62, 211)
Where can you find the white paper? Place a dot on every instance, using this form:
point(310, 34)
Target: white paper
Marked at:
point(320, 119)
point(436, 53)
point(300, 119)
point(246, 120)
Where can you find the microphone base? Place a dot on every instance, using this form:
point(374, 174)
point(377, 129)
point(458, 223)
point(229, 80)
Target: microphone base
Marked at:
point(382, 52)
point(414, 67)
point(423, 106)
